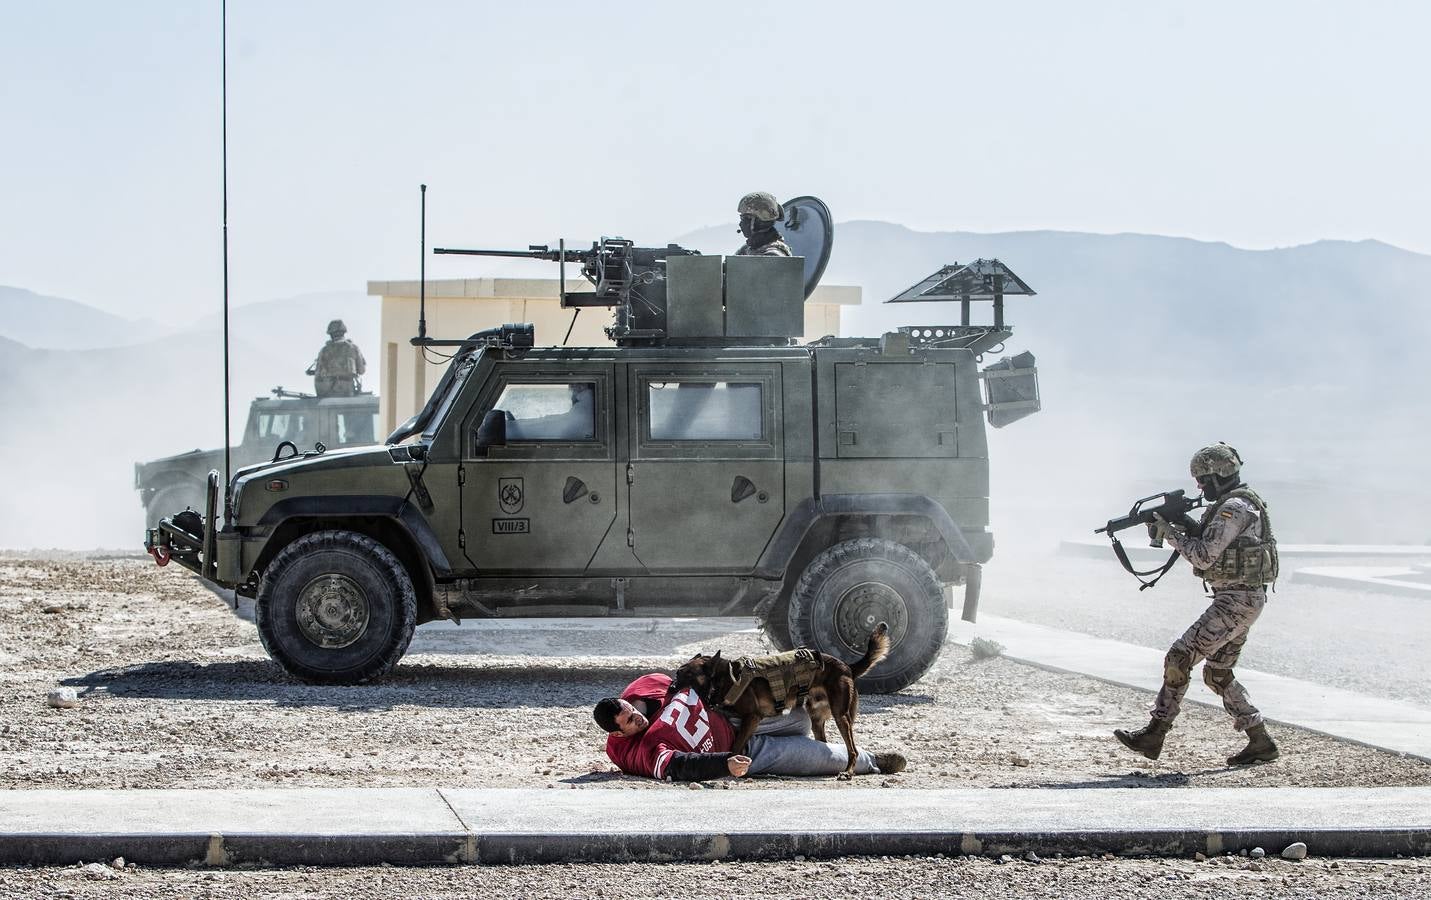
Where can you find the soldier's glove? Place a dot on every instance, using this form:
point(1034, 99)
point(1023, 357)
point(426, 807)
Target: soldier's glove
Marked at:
point(1161, 529)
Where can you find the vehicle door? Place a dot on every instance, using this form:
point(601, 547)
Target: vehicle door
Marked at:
point(706, 474)
point(542, 502)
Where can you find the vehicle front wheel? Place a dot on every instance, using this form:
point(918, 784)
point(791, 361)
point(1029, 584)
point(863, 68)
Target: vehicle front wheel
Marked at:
point(336, 607)
point(850, 588)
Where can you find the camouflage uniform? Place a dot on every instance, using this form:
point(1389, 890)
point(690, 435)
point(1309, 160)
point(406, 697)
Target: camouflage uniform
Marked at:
point(1220, 632)
point(339, 364)
point(776, 247)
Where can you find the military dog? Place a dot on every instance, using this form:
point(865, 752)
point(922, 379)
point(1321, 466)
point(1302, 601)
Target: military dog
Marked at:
point(754, 688)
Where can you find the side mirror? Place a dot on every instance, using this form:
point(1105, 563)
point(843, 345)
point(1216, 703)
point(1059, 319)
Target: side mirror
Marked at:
point(493, 430)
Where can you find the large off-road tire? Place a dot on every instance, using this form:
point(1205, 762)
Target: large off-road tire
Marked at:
point(776, 627)
point(174, 499)
point(336, 607)
point(853, 586)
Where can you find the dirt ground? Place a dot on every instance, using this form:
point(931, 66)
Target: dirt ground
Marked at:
point(917, 878)
point(177, 692)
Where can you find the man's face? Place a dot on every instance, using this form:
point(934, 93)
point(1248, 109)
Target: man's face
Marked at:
point(630, 721)
point(748, 225)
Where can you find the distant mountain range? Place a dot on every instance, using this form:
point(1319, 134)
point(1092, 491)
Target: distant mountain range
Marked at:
point(1309, 358)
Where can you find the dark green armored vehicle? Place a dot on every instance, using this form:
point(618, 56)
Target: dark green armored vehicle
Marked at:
point(174, 482)
point(705, 465)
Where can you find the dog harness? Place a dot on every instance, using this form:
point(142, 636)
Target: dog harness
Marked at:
point(788, 674)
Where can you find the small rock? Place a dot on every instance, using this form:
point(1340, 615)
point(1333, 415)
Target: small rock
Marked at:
point(62, 698)
point(99, 872)
point(1297, 850)
point(1032, 857)
point(799, 859)
point(52, 609)
point(1200, 856)
point(1257, 853)
point(1242, 852)
point(1254, 866)
point(1020, 761)
point(697, 786)
point(118, 862)
point(1005, 859)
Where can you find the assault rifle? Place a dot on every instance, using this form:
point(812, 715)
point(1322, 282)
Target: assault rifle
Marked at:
point(1173, 506)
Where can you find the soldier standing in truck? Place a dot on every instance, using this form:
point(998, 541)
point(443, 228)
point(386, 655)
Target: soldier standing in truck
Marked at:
point(758, 214)
point(339, 365)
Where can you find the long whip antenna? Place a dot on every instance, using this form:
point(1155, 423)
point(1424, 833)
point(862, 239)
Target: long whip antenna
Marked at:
point(224, 105)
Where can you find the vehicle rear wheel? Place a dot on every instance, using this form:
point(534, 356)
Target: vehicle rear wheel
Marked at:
point(850, 588)
point(336, 607)
point(172, 500)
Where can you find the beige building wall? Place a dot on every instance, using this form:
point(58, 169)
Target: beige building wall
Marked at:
point(458, 307)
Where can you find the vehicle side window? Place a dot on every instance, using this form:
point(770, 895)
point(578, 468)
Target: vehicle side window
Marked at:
point(706, 411)
point(280, 426)
point(355, 427)
point(549, 411)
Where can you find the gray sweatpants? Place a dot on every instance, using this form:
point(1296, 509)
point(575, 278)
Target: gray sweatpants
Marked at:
point(783, 745)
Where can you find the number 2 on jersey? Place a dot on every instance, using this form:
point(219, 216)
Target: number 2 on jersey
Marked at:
point(680, 713)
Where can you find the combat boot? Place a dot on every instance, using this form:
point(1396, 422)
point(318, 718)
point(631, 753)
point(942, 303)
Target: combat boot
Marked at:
point(1147, 740)
point(1260, 748)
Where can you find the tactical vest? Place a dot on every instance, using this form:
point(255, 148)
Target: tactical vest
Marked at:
point(1247, 560)
point(787, 673)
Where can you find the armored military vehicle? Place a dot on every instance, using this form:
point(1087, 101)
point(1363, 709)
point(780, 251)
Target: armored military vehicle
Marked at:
point(707, 464)
point(173, 483)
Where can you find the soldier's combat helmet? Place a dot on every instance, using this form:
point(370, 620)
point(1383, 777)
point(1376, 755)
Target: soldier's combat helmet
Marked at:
point(762, 206)
point(336, 327)
point(1219, 459)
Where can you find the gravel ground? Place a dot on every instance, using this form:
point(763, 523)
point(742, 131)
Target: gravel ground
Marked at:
point(918, 878)
point(1361, 641)
point(176, 692)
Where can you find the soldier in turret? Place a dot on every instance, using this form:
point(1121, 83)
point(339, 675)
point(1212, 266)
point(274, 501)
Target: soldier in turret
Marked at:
point(758, 214)
point(1235, 555)
point(339, 365)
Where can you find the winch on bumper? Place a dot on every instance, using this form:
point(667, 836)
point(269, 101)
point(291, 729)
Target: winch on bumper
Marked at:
point(189, 539)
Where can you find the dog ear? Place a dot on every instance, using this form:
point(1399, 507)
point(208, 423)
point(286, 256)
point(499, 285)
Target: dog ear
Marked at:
point(715, 659)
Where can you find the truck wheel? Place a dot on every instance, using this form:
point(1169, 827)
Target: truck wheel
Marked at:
point(853, 586)
point(336, 607)
point(775, 625)
point(172, 500)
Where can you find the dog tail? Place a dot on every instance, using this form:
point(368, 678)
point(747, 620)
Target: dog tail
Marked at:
point(878, 650)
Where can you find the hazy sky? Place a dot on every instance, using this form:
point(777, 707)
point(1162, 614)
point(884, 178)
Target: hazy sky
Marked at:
point(1261, 124)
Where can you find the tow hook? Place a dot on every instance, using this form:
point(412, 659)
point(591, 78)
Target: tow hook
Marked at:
point(161, 555)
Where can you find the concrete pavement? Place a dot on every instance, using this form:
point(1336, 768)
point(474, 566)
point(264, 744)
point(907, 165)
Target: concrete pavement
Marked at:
point(1372, 721)
point(443, 825)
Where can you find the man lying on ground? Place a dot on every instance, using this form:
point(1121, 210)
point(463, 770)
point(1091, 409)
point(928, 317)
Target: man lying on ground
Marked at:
point(678, 739)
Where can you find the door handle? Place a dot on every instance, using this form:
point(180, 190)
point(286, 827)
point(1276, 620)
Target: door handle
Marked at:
point(741, 488)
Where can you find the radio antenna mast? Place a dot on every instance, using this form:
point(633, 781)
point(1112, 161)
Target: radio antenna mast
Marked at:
point(224, 107)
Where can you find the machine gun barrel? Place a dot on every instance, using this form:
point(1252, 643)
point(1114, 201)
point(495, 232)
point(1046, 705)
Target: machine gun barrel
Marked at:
point(534, 252)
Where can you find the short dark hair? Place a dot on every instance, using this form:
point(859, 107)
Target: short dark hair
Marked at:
point(605, 713)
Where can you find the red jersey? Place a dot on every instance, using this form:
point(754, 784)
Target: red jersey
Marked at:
point(681, 725)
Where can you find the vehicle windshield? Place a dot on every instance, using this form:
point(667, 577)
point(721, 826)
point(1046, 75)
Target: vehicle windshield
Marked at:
point(440, 404)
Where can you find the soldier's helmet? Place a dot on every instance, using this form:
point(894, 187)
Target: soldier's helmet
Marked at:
point(761, 205)
point(336, 327)
point(1219, 459)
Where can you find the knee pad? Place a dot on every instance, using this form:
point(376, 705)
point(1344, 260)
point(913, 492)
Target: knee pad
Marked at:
point(1176, 666)
point(1217, 679)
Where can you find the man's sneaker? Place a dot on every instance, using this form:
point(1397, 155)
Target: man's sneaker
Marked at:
point(889, 763)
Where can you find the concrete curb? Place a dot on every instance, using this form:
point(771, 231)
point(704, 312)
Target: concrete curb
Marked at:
point(454, 826)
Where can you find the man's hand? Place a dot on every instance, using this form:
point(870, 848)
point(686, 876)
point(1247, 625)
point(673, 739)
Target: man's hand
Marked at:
point(1162, 529)
point(738, 765)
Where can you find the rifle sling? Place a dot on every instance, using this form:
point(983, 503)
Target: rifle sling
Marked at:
point(1123, 558)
